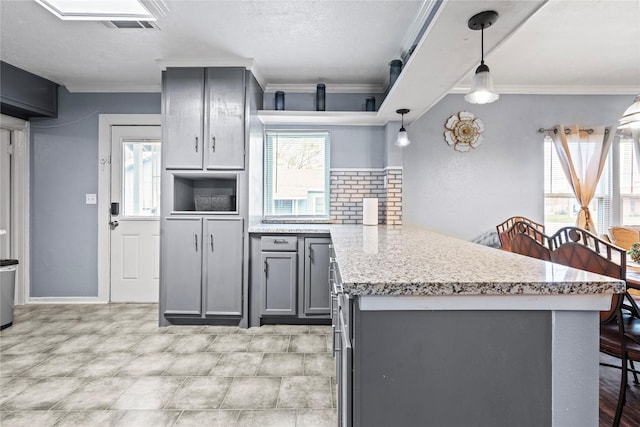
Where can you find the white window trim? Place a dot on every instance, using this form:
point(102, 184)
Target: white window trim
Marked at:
point(268, 218)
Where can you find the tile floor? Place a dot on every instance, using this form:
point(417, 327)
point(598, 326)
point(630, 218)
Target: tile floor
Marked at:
point(111, 365)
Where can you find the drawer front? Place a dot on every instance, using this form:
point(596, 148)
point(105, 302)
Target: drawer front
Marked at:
point(279, 243)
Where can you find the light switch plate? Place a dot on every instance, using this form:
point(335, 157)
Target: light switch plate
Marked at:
point(91, 199)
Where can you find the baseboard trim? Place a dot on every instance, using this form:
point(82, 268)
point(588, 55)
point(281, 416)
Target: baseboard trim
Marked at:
point(65, 300)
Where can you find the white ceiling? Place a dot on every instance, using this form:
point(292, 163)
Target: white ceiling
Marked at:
point(563, 46)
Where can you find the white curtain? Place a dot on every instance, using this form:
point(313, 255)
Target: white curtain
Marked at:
point(635, 134)
point(583, 155)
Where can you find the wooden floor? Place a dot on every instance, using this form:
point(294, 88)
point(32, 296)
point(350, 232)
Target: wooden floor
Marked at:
point(609, 389)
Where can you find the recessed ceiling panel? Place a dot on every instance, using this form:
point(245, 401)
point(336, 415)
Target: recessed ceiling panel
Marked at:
point(97, 9)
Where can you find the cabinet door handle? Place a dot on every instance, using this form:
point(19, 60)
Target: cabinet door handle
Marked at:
point(195, 240)
point(195, 147)
point(213, 144)
point(211, 241)
point(266, 268)
point(310, 253)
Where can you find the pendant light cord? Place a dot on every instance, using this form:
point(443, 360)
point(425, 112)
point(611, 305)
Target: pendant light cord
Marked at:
point(482, 44)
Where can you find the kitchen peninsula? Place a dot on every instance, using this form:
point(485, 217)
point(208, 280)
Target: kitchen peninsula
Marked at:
point(432, 330)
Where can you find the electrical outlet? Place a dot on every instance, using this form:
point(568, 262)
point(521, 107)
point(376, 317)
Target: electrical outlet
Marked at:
point(91, 199)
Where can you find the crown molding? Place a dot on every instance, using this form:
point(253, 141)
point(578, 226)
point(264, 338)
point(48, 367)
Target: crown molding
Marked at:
point(556, 90)
point(247, 63)
point(330, 88)
point(206, 62)
point(115, 88)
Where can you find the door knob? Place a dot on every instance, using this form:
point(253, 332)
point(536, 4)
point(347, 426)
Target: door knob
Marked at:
point(113, 224)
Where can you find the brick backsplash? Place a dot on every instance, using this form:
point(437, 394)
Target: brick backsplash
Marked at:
point(349, 187)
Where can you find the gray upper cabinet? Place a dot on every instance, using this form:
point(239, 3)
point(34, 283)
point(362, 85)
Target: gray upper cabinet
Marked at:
point(316, 276)
point(278, 283)
point(183, 251)
point(183, 118)
point(224, 118)
point(223, 249)
point(204, 110)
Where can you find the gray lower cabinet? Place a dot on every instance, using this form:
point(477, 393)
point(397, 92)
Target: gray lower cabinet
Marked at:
point(203, 263)
point(289, 278)
point(278, 283)
point(224, 248)
point(182, 266)
point(316, 276)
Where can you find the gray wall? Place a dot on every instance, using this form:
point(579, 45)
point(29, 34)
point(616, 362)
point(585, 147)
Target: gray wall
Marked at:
point(351, 146)
point(64, 167)
point(333, 101)
point(466, 194)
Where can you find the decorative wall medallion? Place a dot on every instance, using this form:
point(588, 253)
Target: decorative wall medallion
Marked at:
point(463, 131)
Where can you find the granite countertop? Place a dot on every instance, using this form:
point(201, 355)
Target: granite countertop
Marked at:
point(259, 227)
point(404, 260)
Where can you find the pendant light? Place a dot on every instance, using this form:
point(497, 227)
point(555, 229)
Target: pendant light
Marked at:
point(631, 117)
point(482, 91)
point(403, 137)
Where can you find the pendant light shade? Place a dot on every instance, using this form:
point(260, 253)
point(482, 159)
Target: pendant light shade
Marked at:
point(482, 91)
point(403, 137)
point(631, 117)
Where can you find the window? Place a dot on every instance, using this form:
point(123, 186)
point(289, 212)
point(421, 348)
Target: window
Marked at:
point(141, 178)
point(560, 205)
point(629, 182)
point(296, 174)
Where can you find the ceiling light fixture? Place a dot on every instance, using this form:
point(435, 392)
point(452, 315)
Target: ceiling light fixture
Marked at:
point(403, 138)
point(98, 10)
point(482, 91)
point(631, 117)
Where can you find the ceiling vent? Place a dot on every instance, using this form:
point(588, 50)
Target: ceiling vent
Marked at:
point(139, 25)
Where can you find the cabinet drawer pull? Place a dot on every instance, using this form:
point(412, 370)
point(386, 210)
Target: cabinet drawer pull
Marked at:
point(213, 144)
point(211, 241)
point(278, 241)
point(196, 145)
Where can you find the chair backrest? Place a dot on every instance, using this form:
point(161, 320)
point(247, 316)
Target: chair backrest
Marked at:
point(525, 239)
point(504, 227)
point(578, 248)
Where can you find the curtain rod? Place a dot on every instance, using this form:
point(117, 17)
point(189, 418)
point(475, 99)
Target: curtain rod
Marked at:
point(567, 131)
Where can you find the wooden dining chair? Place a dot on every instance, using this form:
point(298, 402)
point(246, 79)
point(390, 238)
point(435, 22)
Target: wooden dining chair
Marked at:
point(526, 239)
point(625, 236)
point(504, 227)
point(619, 330)
point(625, 347)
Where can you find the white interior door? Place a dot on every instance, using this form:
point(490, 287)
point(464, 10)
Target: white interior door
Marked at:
point(135, 227)
point(5, 193)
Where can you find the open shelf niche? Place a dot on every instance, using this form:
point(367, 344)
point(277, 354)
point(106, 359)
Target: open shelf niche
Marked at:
point(205, 193)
